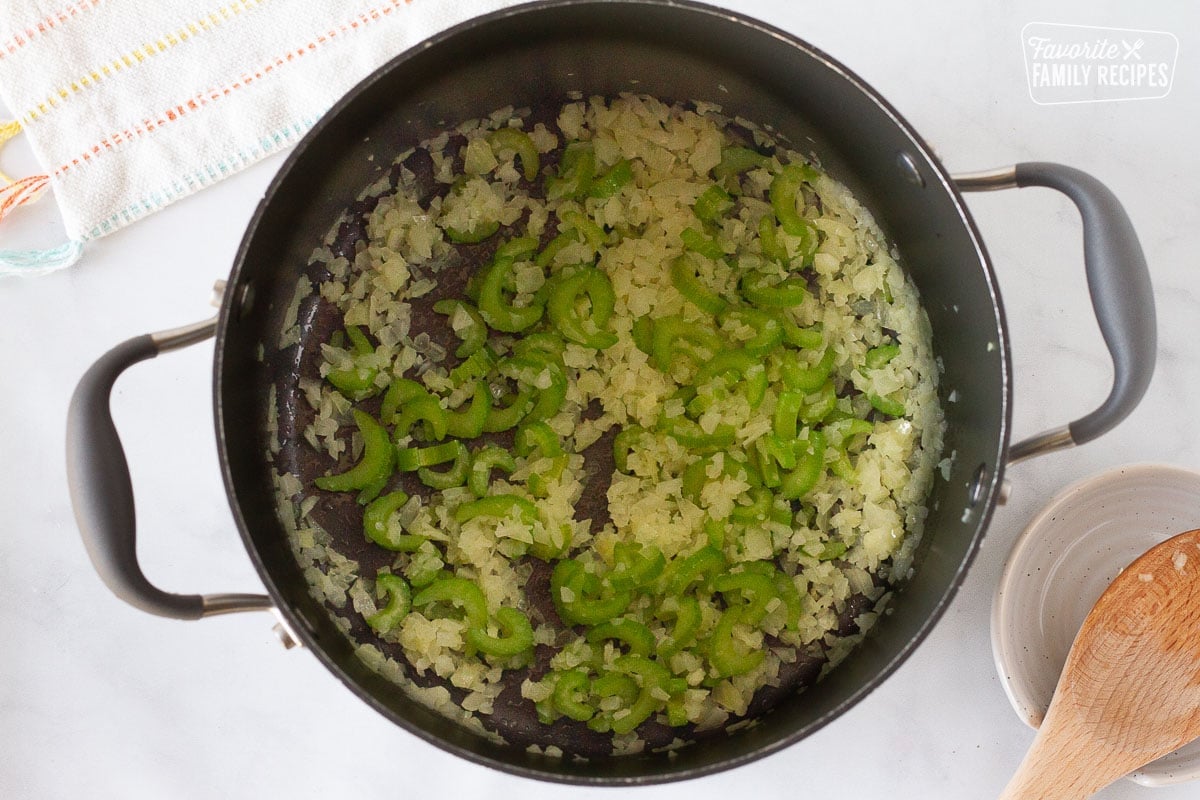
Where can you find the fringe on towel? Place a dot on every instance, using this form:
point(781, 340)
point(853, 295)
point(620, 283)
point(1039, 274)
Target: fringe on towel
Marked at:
point(39, 262)
point(20, 192)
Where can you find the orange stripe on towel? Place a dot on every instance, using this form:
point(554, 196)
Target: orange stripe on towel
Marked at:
point(205, 98)
point(20, 38)
point(204, 22)
point(22, 192)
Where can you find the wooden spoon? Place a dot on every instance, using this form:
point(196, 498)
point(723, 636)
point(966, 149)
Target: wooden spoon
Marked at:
point(1130, 690)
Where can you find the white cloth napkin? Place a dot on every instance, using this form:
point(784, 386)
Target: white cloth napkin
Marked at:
point(130, 105)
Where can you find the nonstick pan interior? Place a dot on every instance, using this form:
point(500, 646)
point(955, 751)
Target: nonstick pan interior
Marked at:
point(534, 57)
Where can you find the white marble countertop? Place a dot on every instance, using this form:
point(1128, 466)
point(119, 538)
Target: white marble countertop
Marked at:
point(99, 700)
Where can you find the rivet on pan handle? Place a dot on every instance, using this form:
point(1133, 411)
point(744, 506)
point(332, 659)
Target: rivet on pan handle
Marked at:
point(101, 491)
point(1119, 284)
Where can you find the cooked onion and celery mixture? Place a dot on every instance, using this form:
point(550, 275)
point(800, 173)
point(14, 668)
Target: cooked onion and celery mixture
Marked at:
point(671, 323)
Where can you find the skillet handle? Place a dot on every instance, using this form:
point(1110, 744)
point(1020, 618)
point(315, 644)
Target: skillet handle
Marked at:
point(1119, 284)
point(101, 492)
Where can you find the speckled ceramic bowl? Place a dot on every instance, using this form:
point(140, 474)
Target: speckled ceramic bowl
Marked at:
point(1060, 565)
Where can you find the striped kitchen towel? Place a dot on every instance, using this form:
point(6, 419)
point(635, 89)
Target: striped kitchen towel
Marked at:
point(130, 105)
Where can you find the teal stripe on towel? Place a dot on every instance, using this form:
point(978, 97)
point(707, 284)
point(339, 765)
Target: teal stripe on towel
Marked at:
point(202, 177)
